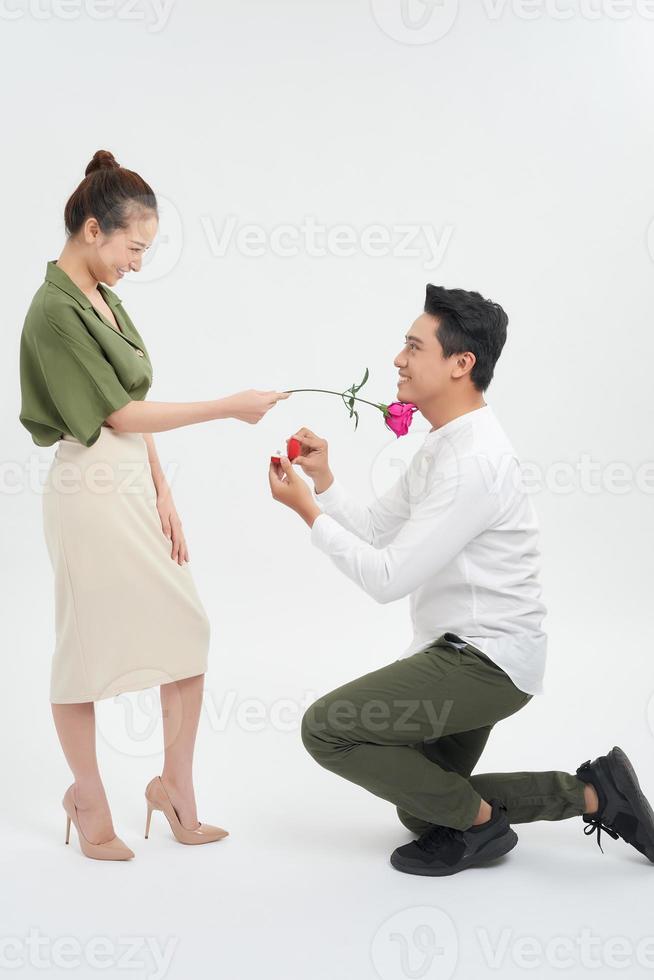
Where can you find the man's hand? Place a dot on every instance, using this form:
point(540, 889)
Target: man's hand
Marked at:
point(313, 459)
point(290, 489)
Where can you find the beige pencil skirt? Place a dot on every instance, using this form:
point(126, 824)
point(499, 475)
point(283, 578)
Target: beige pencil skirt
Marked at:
point(127, 616)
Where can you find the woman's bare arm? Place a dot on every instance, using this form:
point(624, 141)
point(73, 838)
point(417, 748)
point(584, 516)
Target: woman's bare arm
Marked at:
point(146, 416)
point(158, 477)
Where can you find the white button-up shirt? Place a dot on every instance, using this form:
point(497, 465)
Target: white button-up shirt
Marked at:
point(458, 534)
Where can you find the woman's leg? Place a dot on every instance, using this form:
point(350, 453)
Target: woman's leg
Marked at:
point(75, 724)
point(181, 702)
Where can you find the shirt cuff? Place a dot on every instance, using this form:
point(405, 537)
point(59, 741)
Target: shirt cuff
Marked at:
point(332, 498)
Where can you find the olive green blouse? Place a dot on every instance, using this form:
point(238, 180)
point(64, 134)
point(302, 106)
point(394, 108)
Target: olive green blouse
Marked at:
point(75, 367)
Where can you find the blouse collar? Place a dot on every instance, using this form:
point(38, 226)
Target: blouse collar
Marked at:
point(62, 280)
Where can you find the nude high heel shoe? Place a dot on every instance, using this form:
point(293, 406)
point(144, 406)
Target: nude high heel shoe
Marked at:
point(111, 850)
point(158, 799)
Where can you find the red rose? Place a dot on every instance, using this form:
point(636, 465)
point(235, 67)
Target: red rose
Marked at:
point(398, 417)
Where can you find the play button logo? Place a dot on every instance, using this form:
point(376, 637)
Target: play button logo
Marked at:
point(415, 21)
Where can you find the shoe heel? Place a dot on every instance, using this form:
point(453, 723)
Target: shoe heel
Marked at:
point(111, 850)
point(157, 798)
point(147, 822)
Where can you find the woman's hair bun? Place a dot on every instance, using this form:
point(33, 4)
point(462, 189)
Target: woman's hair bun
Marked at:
point(109, 193)
point(102, 160)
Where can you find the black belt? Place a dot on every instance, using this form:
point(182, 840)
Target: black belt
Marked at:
point(455, 640)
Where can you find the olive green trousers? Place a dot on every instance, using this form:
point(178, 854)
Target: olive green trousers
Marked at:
point(413, 731)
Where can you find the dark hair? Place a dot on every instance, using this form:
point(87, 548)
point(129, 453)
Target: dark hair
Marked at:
point(468, 322)
point(108, 193)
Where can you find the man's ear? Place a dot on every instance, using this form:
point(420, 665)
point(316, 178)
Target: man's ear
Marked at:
point(465, 363)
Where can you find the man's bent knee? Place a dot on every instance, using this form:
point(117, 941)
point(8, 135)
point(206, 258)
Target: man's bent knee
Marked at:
point(309, 733)
point(326, 728)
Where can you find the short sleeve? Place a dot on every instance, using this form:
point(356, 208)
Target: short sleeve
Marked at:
point(81, 383)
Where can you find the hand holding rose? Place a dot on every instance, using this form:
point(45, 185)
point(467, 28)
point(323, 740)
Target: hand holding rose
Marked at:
point(309, 451)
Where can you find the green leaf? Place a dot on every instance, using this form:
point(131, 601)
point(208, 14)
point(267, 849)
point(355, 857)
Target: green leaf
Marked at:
point(365, 378)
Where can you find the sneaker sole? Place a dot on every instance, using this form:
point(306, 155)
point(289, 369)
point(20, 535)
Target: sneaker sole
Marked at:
point(626, 780)
point(493, 850)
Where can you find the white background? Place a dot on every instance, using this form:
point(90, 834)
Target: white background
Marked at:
point(522, 135)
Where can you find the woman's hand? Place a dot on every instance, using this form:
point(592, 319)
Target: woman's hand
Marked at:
point(171, 526)
point(251, 405)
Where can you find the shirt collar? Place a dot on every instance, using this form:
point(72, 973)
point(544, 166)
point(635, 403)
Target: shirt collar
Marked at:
point(445, 430)
point(62, 280)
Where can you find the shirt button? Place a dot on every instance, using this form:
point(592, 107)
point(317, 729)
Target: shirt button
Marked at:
point(140, 353)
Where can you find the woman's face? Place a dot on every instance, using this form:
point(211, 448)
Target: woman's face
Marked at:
point(113, 256)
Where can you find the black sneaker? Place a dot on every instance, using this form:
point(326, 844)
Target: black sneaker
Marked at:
point(623, 810)
point(444, 850)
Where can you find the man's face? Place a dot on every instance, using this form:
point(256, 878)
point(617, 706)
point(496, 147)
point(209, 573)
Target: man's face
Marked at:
point(424, 372)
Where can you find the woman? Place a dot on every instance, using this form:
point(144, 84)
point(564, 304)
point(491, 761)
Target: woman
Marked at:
point(127, 613)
